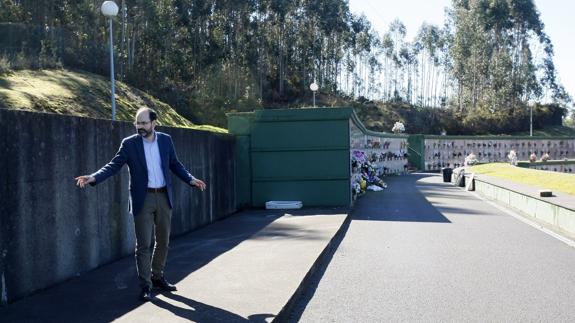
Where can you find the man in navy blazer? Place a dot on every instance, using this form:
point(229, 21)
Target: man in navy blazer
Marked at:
point(149, 155)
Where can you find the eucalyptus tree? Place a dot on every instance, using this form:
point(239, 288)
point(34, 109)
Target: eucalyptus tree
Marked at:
point(493, 58)
point(408, 59)
point(397, 31)
point(387, 46)
point(13, 11)
point(358, 53)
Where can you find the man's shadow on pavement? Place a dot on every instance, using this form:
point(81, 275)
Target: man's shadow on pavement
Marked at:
point(200, 312)
point(111, 291)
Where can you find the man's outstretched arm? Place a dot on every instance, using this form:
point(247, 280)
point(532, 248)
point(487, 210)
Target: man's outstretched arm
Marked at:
point(110, 169)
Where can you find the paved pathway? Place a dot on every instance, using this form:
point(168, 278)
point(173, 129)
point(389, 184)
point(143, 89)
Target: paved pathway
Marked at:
point(428, 251)
point(243, 268)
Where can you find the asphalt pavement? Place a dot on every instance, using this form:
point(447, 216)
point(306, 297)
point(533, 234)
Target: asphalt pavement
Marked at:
point(427, 251)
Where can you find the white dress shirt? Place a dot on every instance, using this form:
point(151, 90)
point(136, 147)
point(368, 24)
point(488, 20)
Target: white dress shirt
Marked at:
point(154, 163)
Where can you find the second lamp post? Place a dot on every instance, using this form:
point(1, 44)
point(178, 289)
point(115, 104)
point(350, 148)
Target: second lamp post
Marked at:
point(313, 87)
point(110, 10)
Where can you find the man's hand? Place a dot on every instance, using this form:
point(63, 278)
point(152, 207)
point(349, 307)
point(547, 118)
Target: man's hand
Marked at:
point(86, 179)
point(198, 183)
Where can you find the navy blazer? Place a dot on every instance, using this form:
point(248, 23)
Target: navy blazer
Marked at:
point(131, 152)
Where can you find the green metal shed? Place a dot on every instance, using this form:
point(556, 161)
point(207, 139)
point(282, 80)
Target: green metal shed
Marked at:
point(294, 154)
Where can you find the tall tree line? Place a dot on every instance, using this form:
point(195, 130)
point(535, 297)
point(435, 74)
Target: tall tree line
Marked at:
point(208, 57)
point(490, 55)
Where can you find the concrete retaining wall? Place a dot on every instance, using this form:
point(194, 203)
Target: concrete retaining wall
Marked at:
point(50, 230)
point(555, 217)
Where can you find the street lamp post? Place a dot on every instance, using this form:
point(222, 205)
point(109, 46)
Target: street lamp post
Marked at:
point(110, 10)
point(531, 121)
point(313, 87)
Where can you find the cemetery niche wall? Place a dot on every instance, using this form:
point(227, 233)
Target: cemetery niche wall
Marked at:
point(373, 156)
point(450, 151)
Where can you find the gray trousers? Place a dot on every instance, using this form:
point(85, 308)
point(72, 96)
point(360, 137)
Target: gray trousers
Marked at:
point(153, 221)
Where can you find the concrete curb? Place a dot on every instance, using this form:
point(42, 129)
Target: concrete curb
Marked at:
point(548, 212)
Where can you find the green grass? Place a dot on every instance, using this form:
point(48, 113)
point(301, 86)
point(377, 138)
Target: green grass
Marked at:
point(554, 181)
point(82, 94)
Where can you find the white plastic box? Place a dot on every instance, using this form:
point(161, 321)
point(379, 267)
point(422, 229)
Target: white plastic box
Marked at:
point(283, 205)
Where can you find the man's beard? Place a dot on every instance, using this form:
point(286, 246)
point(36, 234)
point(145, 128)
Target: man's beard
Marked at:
point(144, 133)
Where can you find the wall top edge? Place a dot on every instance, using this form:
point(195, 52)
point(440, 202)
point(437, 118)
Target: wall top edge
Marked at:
point(497, 137)
point(129, 123)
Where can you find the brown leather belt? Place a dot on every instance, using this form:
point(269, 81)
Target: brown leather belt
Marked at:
point(157, 190)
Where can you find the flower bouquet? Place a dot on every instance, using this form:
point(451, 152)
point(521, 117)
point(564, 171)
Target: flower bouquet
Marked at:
point(356, 187)
point(512, 157)
point(470, 160)
point(398, 127)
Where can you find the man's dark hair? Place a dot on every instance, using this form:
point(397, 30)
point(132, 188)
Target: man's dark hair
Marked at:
point(153, 115)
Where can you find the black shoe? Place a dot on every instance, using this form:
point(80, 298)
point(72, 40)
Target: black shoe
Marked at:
point(146, 294)
point(163, 284)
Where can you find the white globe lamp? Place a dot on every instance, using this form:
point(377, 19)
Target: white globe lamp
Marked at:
point(109, 9)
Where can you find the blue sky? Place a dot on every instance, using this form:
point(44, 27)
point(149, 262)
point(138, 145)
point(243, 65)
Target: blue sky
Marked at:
point(557, 15)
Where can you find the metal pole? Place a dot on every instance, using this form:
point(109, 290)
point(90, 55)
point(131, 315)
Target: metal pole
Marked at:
point(314, 99)
point(112, 73)
point(531, 121)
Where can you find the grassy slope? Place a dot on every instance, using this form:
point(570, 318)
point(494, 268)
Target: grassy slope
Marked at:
point(81, 94)
point(554, 181)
